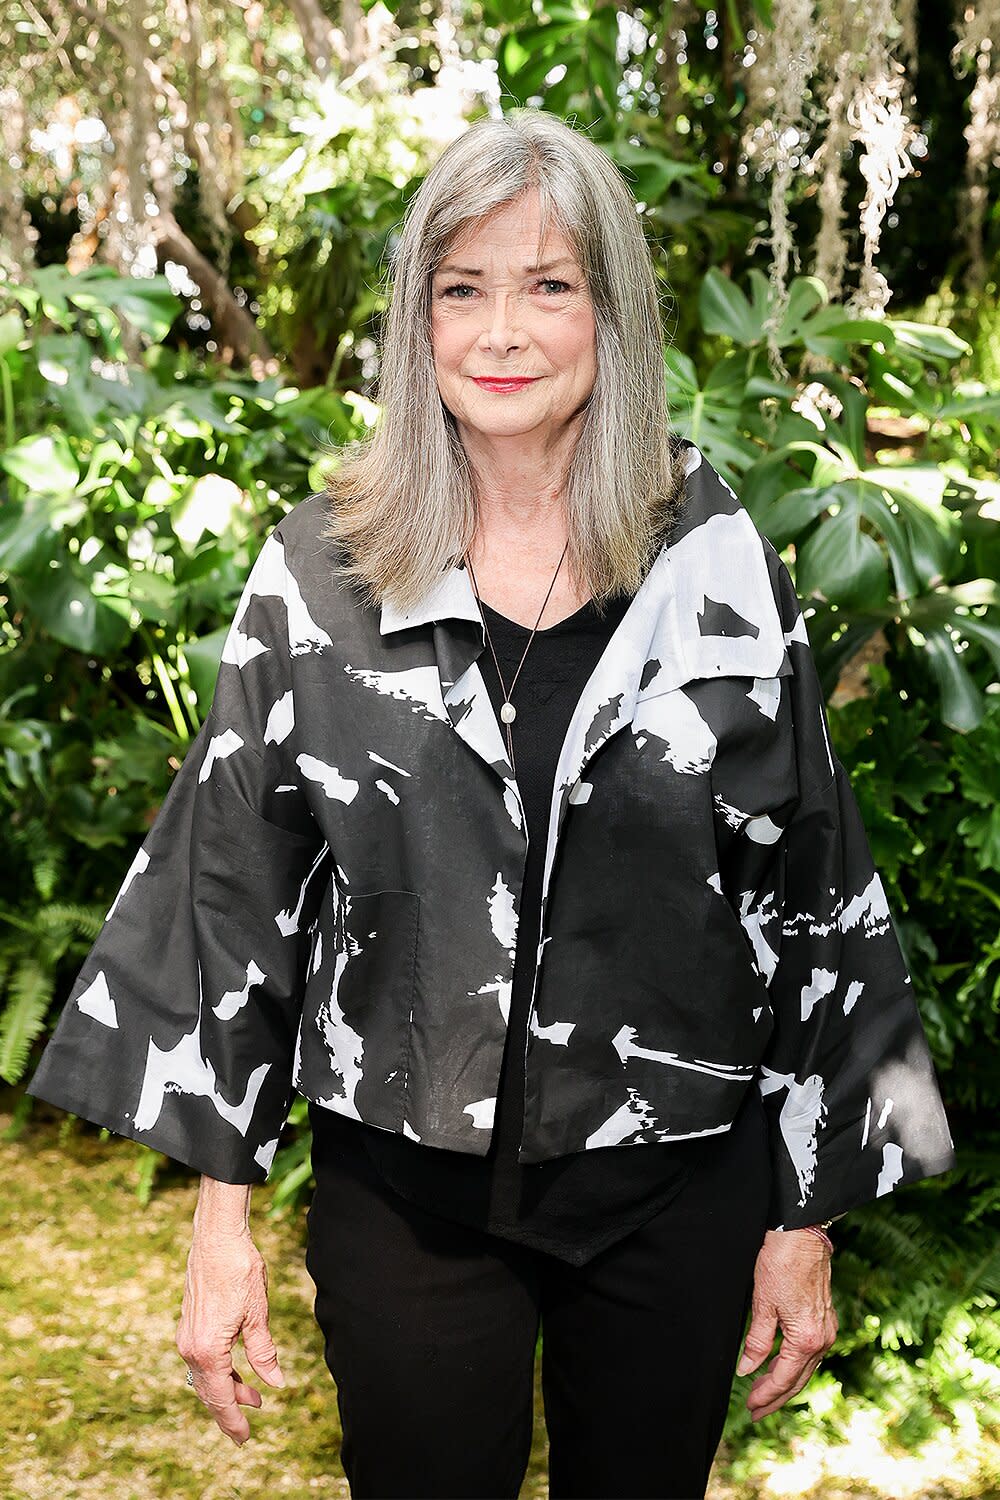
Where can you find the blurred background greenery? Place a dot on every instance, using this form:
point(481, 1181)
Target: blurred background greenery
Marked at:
point(198, 201)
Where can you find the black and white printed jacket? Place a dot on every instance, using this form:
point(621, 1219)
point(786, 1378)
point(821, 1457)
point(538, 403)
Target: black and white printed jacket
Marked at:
point(328, 899)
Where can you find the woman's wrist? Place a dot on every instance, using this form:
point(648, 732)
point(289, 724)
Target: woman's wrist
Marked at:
point(819, 1230)
point(223, 1208)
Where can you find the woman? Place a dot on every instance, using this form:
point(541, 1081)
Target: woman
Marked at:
point(513, 840)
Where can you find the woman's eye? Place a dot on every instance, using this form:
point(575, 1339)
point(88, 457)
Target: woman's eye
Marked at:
point(464, 286)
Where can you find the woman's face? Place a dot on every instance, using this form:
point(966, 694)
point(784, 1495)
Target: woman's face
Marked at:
point(492, 315)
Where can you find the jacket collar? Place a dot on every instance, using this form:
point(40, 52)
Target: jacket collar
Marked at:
point(710, 575)
point(706, 608)
point(452, 598)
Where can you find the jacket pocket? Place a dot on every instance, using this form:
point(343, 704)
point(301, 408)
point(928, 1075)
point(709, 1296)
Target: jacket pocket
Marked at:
point(359, 1003)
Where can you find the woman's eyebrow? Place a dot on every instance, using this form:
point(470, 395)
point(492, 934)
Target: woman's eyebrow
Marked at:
point(472, 271)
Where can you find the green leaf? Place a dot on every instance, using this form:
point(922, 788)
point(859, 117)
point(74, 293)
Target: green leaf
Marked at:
point(64, 363)
point(962, 704)
point(987, 634)
point(892, 527)
point(29, 529)
point(842, 563)
point(933, 529)
point(154, 595)
point(97, 821)
point(30, 993)
point(651, 173)
point(185, 409)
point(724, 309)
point(63, 601)
point(45, 464)
point(605, 74)
point(526, 55)
point(799, 468)
point(923, 482)
point(928, 338)
point(709, 416)
point(849, 434)
point(805, 295)
point(959, 407)
point(149, 304)
point(981, 831)
point(11, 331)
point(978, 759)
point(783, 518)
point(204, 657)
point(830, 334)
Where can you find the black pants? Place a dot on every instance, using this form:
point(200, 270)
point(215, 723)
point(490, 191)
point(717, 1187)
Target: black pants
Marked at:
point(430, 1331)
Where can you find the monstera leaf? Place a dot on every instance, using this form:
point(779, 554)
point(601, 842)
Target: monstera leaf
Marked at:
point(709, 414)
point(875, 546)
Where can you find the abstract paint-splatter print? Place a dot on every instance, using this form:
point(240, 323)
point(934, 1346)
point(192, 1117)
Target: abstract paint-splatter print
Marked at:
point(328, 900)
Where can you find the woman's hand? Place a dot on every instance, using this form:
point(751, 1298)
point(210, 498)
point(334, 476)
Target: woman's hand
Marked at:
point(791, 1288)
point(225, 1293)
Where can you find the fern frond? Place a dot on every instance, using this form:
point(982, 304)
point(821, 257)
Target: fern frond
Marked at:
point(60, 915)
point(23, 1017)
point(46, 870)
point(982, 1275)
point(887, 1236)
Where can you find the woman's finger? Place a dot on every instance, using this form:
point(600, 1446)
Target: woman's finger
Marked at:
point(258, 1345)
point(246, 1395)
point(216, 1390)
point(782, 1373)
point(760, 1337)
point(773, 1402)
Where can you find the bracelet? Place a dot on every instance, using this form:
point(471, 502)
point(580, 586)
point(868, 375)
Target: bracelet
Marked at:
point(815, 1229)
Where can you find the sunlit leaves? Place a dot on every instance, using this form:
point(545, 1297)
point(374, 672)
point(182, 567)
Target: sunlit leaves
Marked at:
point(148, 304)
point(45, 464)
point(74, 604)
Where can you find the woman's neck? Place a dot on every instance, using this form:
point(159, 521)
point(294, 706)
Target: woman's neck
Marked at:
point(514, 566)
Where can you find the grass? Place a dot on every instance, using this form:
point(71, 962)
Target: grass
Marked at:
point(96, 1407)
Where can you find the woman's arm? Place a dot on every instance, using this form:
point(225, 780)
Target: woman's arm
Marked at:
point(222, 1208)
point(195, 1056)
point(225, 1293)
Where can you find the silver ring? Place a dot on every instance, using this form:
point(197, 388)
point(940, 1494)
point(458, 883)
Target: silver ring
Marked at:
point(190, 1377)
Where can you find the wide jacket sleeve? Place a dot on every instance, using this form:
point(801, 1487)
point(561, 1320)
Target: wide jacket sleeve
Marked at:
point(847, 1080)
point(180, 1028)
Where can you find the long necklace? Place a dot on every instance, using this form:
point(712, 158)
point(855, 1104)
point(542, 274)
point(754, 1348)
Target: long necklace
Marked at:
point(508, 713)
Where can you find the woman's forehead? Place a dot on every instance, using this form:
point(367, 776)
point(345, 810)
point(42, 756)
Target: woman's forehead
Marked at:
point(519, 253)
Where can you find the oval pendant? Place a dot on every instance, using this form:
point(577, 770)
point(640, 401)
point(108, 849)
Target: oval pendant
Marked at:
point(508, 713)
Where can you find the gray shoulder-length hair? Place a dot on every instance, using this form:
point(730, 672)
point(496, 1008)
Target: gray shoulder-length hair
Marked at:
point(403, 503)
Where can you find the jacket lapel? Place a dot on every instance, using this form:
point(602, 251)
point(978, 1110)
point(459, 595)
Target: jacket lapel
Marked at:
point(706, 608)
point(458, 643)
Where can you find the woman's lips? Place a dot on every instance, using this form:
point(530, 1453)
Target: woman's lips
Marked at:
point(489, 383)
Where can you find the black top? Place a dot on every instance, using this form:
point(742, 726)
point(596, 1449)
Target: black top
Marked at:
point(571, 1206)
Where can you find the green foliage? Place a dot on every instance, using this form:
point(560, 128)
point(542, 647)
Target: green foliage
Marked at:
point(879, 544)
point(291, 1169)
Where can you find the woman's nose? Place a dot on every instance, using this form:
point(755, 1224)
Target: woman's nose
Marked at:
point(502, 321)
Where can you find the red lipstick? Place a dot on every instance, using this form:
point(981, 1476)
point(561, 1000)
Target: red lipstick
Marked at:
point(503, 383)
